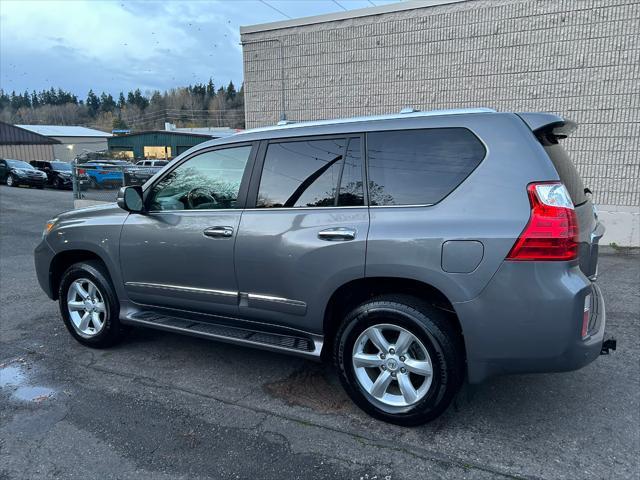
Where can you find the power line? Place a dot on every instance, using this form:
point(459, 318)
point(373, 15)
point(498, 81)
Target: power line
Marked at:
point(274, 8)
point(336, 2)
point(372, 3)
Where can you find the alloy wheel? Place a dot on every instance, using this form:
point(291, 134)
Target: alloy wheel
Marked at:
point(392, 365)
point(86, 307)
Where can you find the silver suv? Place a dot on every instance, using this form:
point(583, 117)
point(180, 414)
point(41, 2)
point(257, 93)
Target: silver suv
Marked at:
point(415, 250)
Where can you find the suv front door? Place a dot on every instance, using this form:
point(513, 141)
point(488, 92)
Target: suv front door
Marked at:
point(179, 254)
point(306, 232)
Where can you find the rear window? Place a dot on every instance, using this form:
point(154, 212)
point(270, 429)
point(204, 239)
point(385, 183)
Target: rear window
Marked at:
point(420, 167)
point(567, 171)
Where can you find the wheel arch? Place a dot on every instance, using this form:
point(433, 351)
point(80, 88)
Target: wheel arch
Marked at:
point(63, 260)
point(352, 293)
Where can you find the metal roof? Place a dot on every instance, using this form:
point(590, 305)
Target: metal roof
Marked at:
point(65, 131)
point(406, 113)
point(163, 132)
point(14, 135)
point(355, 13)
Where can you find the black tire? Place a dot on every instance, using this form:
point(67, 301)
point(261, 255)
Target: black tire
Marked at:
point(93, 184)
point(11, 181)
point(432, 328)
point(95, 271)
point(40, 187)
point(58, 184)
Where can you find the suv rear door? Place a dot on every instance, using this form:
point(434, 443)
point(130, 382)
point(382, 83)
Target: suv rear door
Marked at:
point(305, 233)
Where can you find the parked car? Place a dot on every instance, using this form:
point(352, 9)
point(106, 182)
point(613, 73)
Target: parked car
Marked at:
point(16, 172)
point(142, 171)
point(102, 174)
point(59, 174)
point(470, 251)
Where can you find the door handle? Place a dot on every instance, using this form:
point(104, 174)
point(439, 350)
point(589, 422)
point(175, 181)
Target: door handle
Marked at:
point(218, 232)
point(337, 234)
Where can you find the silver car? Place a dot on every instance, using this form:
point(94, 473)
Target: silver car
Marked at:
point(414, 250)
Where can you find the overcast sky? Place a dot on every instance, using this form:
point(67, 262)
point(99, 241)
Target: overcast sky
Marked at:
point(119, 45)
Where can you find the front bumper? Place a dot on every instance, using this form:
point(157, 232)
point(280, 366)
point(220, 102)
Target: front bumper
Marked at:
point(43, 256)
point(34, 181)
point(528, 319)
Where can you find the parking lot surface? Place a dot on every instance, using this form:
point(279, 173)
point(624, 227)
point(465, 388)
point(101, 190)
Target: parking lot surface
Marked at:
point(164, 406)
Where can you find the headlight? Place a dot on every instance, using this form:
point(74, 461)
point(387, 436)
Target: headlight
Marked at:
point(48, 226)
point(19, 172)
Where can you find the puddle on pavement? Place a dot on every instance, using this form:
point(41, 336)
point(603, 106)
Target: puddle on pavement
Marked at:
point(312, 389)
point(15, 381)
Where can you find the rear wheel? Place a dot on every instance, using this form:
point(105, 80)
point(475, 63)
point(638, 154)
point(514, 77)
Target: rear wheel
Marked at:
point(400, 359)
point(89, 305)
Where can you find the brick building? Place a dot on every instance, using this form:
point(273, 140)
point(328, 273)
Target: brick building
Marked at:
point(578, 58)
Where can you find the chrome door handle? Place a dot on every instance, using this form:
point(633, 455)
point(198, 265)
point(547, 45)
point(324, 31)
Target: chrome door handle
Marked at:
point(218, 232)
point(337, 234)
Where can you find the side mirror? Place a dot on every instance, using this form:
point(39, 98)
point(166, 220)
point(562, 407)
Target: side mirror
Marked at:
point(130, 199)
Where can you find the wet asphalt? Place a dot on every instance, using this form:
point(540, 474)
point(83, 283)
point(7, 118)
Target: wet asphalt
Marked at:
point(164, 406)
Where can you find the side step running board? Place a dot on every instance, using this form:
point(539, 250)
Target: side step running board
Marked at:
point(292, 343)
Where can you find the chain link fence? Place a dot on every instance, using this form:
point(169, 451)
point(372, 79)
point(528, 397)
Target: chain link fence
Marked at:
point(100, 182)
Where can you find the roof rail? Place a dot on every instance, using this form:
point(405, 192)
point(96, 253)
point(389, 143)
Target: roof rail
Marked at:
point(409, 110)
point(411, 114)
point(285, 122)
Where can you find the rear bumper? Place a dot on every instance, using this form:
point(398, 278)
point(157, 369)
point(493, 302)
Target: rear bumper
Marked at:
point(529, 318)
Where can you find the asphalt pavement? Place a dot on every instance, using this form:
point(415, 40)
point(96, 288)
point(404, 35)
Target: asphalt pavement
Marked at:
point(164, 406)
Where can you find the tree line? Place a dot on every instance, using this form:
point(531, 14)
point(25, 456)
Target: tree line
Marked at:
point(198, 105)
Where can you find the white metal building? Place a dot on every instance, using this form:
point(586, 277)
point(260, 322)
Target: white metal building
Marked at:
point(73, 140)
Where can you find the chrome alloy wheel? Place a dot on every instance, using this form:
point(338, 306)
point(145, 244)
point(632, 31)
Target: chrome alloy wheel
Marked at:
point(86, 307)
point(392, 365)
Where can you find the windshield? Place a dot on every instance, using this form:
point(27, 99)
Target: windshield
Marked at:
point(19, 164)
point(65, 167)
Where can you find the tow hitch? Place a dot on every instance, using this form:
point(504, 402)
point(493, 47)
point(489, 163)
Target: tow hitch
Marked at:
point(608, 344)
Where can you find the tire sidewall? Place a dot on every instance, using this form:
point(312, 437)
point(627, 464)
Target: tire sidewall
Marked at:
point(441, 390)
point(11, 181)
point(111, 328)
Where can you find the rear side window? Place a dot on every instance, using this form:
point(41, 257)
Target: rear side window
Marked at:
point(420, 167)
point(567, 171)
point(312, 173)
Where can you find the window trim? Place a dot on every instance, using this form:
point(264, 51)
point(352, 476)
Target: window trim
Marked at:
point(244, 183)
point(417, 205)
point(256, 177)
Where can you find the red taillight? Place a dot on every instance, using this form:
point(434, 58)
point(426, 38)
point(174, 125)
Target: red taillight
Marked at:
point(81, 171)
point(552, 231)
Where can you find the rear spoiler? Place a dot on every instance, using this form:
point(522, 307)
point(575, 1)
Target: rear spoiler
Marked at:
point(542, 123)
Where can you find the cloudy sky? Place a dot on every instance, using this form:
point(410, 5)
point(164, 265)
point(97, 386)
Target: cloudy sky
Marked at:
point(119, 45)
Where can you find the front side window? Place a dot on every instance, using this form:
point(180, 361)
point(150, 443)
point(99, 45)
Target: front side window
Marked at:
point(420, 167)
point(312, 173)
point(209, 181)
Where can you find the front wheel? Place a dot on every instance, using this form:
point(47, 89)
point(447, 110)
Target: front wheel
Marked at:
point(89, 305)
point(399, 359)
point(11, 181)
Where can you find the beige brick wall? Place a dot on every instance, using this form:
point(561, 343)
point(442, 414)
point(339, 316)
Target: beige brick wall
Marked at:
point(578, 58)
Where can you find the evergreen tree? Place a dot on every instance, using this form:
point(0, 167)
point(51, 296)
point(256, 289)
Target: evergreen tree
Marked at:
point(231, 91)
point(107, 103)
point(121, 101)
point(93, 103)
point(211, 89)
point(119, 124)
